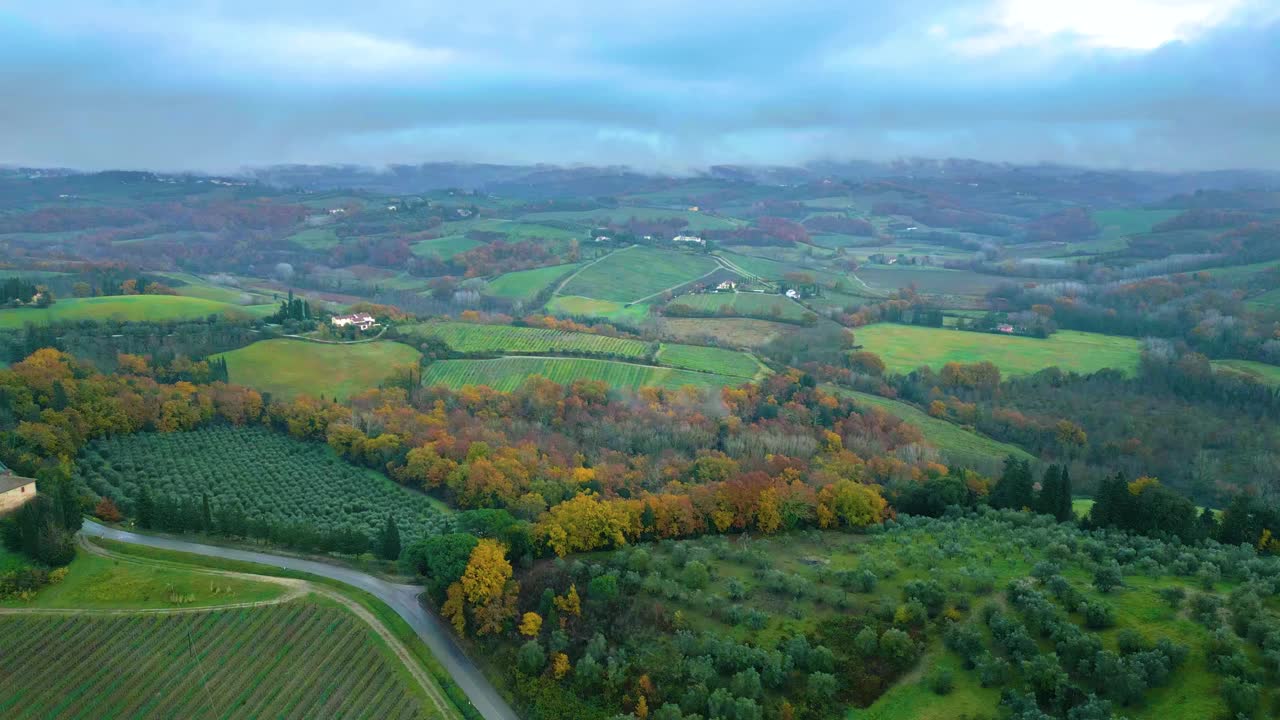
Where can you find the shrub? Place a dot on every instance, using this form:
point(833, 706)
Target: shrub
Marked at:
point(1097, 615)
point(941, 682)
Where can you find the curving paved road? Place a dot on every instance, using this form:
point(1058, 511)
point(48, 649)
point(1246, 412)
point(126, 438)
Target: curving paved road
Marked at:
point(401, 598)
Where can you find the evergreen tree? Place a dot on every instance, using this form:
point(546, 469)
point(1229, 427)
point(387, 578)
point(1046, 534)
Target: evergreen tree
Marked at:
point(1047, 499)
point(389, 541)
point(1016, 489)
point(1064, 511)
point(69, 507)
point(146, 509)
point(206, 513)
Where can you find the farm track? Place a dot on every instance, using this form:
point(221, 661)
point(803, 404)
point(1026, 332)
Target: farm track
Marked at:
point(403, 599)
point(296, 589)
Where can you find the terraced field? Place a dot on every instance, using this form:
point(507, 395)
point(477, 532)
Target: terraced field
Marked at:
point(288, 368)
point(471, 338)
point(635, 273)
point(127, 307)
point(509, 373)
point(300, 659)
point(757, 305)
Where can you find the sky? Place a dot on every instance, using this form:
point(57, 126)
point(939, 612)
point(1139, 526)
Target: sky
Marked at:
point(666, 85)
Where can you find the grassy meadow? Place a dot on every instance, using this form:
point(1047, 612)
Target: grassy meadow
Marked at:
point(757, 305)
point(472, 338)
point(635, 273)
point(1262, 372)
point(957, 443)
point(444, 247)
point(135, 308)
point(509, 373)
point(726, 332)
point(526, 284)
point(288, 368)
point(906, 347)
point(608, 310)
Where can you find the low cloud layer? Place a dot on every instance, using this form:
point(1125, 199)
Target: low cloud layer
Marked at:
point(1163, 84)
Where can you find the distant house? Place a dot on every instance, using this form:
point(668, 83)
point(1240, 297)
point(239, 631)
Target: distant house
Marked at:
point(1005, 328)
point(337, 211)
point(15, 491)
point(891, 261)
point(689, 239)
point(392, 208)
point(727, 285)
point(603, 238)
point(793, 293)
point(363, 321)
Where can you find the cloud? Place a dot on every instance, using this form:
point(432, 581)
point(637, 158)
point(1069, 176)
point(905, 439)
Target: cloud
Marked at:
point(663, 84)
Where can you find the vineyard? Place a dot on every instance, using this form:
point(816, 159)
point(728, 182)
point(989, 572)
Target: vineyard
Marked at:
point(288, 368)
point(507, 374)
point(286, 661)
point(262, 474)
point(470, 338)
point(709, 359)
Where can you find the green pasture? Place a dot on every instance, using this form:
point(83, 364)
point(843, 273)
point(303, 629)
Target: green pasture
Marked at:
point(633, 274)
point(288, 368)
point(134, 308)
point(526, 284)
point(509, 373)
point(907, 347)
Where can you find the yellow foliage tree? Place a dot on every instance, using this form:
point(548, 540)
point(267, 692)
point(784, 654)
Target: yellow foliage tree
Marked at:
point(571, 603)
point(560, 665)
point(584, 523)
point(531, 624)
point(850, 504)
point(454, 608)
point(768, 517)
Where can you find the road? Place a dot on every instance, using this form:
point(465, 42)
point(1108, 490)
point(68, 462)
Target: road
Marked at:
point(401, 598)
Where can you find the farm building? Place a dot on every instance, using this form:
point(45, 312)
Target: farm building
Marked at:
point(688, 239)
point(1005, 328)
point(727, 285)
point(14, 491)
point(363, 321)
point(793, 294)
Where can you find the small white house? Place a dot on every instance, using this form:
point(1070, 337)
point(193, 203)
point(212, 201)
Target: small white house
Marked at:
point(363, 321)
point(793, 293)
point(1005, 328)
point(727, 285)
point(337, 211)
point(689, 239)
point(603, 238)
point(393, 208)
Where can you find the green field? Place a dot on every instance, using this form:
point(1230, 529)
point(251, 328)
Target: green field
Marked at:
point(288, 368)
point(931, 280)
point(745, 304)
point(300, 659)
point(508, 373)
point(1267, 301)
point(1130, 221)
point(444, 247)
point(1262, 372)
point(710, 359)
point(134, 308)
point(575, 306)
point(262, 473)
point(315, 238)
point(955, 442)
point(198, 287)
point(587, 218)
point(525, 284)
point(635, 273)
point(726, 332)
point(907, 347)
point(471, 338)
point(97, 582)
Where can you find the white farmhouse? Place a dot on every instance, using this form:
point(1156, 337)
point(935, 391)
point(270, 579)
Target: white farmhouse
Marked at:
point(689, 239)
point(363, 321)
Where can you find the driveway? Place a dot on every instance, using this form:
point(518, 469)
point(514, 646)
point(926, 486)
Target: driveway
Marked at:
point(401, 598)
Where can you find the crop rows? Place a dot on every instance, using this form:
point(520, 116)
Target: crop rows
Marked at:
point(636, 273)
point(262, 473)
point(508, 373)
point(297, 660)
point(709, 359)
point(469, 338)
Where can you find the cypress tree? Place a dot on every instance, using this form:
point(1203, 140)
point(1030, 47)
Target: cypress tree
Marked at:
point(1065, 510)
point(146, 509)
point(1047, 500)
point(206, 513)
point(389, 542)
